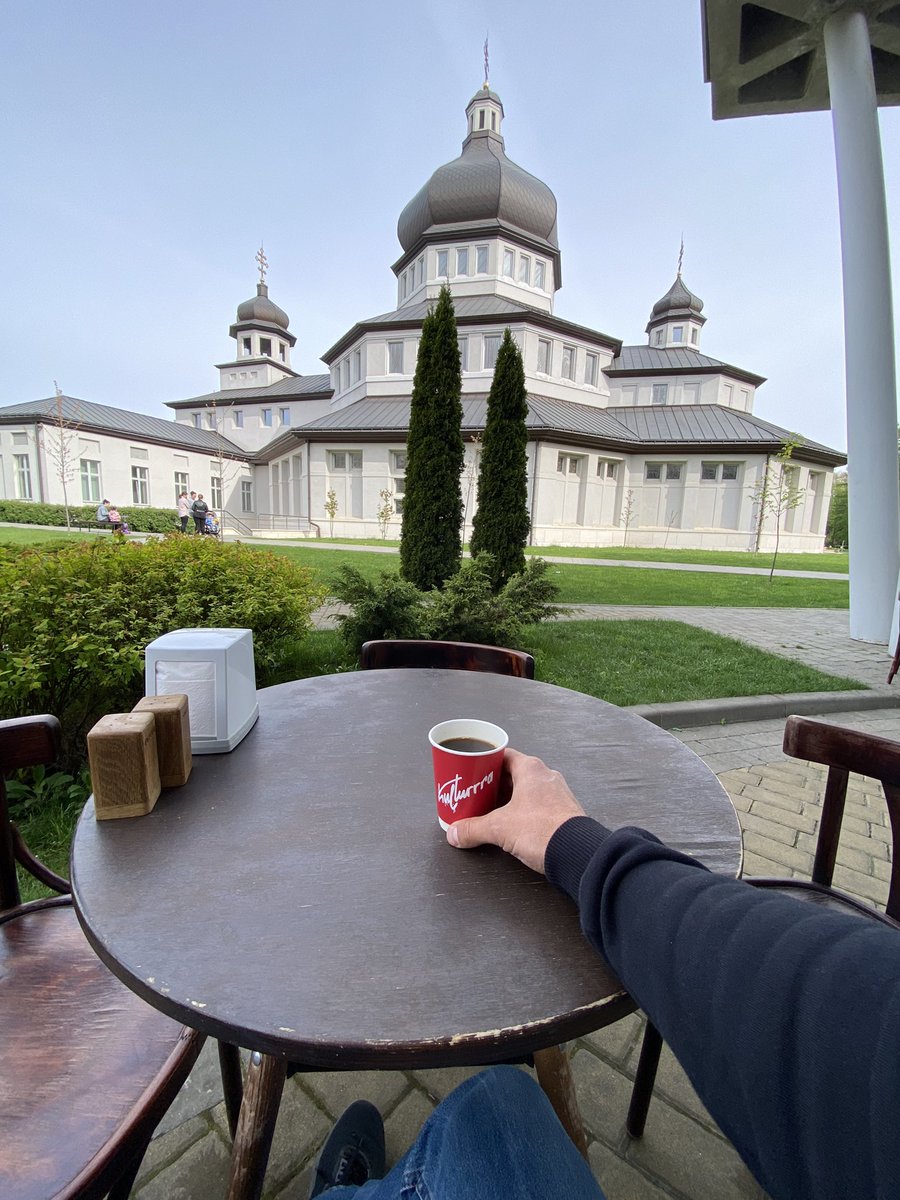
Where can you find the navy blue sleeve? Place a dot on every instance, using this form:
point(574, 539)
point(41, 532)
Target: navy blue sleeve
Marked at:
point(785, 1016)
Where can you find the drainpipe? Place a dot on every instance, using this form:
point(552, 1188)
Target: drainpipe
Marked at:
point(534, 463)
point(39, 446)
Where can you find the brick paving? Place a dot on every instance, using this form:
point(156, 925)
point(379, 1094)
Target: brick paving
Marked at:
point(682, 1155)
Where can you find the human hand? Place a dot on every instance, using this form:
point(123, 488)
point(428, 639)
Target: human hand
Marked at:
point(541, 801)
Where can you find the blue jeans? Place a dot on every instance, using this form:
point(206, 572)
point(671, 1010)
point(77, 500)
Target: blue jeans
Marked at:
point(495, 1137)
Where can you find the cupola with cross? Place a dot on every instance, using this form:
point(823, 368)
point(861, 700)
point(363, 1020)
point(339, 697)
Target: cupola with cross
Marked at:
point(263, 340)
point(677, 318)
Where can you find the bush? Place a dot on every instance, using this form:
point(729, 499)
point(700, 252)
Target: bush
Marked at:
point(75, 618)
point(140, 520)
point(466, 610)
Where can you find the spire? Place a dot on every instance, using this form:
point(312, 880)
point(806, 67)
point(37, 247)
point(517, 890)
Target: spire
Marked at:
point(681, 256)
point(487, 65)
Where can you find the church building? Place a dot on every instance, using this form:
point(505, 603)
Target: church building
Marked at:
point(652, 444)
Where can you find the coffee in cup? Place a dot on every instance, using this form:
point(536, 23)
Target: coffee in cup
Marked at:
point(467, 755)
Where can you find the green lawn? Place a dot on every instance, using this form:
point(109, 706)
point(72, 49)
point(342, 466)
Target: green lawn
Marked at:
point(831, 561)
point(627, 585)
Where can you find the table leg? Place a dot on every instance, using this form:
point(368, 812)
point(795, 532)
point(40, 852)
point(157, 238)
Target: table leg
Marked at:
point(232, 1083)
point(253, 1140)
point(555, 1077)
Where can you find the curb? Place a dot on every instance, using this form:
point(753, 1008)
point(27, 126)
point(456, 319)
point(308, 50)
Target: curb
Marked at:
point(735, 709)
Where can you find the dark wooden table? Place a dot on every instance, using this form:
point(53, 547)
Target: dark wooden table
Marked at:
point(298, 898)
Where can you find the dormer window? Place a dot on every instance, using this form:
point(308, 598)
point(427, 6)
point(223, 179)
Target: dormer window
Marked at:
point(678, 333)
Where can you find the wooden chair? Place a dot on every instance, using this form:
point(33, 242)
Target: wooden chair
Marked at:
point(87, 1069)
point(454, 656)
point(552, 1064)
point(841, 751)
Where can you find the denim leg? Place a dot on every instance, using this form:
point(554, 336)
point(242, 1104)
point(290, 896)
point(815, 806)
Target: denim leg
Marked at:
point(495, 1137)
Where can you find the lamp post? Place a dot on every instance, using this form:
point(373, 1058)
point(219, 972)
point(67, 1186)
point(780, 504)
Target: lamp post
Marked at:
point(805, 55)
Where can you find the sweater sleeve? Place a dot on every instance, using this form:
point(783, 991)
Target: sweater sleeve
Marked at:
point(785, 1016)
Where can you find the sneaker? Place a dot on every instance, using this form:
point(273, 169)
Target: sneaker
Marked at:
point(354, 1150)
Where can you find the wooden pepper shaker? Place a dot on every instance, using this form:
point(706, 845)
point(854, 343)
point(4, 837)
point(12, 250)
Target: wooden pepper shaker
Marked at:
point(124, 765)
point(173, 736)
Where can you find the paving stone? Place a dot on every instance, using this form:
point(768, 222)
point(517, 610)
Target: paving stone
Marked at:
point(336, 1090)
point(200, 1173)
point(782, 834)
point(673, 1084)
point(802, 821)
point(619, 1041)
point(297, 1188)
point(755, 865)
point(603, 1096)
point(166, 1147)
point(438, 1084)
point(850, 857)
point(202, 1090)
point(301, 1128)
point(776, 799)
point(865, 887)
point(619, 1179)
point(790, 856)
point(402, 1127)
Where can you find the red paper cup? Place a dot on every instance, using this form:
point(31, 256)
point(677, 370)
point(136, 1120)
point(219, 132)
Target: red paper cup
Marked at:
point(467, 772)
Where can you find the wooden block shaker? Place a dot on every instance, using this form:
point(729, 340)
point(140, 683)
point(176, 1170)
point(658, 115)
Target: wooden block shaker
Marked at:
point(173, 736)
point(124, 765)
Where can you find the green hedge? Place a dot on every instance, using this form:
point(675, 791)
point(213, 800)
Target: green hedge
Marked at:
point(75, 618)
point(140, 520)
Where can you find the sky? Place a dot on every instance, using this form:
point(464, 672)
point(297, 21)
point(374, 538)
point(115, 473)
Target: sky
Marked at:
point(148, 150)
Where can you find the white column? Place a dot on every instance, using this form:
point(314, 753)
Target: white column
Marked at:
point(874, 503)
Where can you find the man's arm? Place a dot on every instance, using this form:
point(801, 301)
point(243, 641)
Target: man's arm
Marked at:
point(785, 1016)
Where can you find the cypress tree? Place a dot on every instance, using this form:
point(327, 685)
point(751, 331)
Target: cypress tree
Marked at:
point(430, 540)
point(501, 522)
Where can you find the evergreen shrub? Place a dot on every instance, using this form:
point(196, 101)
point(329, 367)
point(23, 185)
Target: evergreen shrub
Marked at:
point(75, 618)
point(140, 520)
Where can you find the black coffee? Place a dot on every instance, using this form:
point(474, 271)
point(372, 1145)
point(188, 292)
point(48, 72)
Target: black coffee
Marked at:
point(465, 745)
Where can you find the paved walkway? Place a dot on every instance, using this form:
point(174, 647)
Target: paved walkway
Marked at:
point(682, 1156)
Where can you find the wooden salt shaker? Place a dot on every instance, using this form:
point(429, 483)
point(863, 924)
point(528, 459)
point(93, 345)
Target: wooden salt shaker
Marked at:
point(173, 736)
point(124, 765)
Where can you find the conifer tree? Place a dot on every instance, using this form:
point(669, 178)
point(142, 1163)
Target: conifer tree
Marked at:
point(430, 540)
point(501, 523)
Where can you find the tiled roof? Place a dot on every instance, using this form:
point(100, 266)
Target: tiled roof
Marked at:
point(303, 386)
point(101, 418)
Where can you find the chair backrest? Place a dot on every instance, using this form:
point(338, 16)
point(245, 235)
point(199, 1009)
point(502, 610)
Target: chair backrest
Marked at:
point(454, 656)
point(842, 751)
point(24, 742)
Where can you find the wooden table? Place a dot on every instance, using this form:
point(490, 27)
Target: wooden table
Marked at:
point(298, 898)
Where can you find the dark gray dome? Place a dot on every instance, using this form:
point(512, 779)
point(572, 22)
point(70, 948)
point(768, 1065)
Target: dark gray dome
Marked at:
point(261, 308)
point(482, 185)
point(677, 301)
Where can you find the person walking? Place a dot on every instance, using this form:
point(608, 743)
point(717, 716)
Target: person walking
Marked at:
point(199, 510)
point(184, 510)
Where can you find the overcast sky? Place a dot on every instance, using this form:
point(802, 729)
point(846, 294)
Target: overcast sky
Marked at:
point(147, 150)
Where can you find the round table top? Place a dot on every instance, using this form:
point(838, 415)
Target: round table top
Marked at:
point(297, 896)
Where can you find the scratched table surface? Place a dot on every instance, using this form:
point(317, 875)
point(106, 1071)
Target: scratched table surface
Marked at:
point(297, 896)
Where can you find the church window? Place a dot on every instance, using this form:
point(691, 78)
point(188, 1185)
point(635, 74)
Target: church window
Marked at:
point(509, 260)
point(653, 471)
point(420, 271)
point(198, 420)
point(729, 471)
point(612, 470)
point(90, 481)
point(345, 373)
point(659, 337)
point(568, 464)
point(215, 490)
point(678, 333)
point(182, 483)
point(660, 393)
point(245, 347)
point(23, 476)
point(494, 121)
point(403, 286)
point(237, 417)
point(481, 260)
point(266, 417)
point(345, 460)
point(694, 335)
point(745, 399)
point(265, 347)
point(491, 349)
point(442, 264)
point(524, 268)
point(395, 358)
point(539, 274)
point(590, 370)
point(282, 351)
point(729, 393)
point(246, 495)
point(545, 347)
point(568, 362)
point(210, 420)
point(462, 261)
point(284, 416)
point(357, 365)
point(481, 118)
point(463, 353)
point(709, 471)
point(140, 485)
point(398, 479)
point(673, 470)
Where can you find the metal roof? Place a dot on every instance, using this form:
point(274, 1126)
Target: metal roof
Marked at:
point(302, 386)
point(708, 424)
point(642, 360)
point(101, 418)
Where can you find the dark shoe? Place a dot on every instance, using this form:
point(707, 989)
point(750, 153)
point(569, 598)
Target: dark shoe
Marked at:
point(353, 1151)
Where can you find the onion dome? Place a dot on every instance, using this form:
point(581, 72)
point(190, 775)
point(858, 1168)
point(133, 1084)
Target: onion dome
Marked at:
point(677, 302)
point(481, 188)
point(261, 309)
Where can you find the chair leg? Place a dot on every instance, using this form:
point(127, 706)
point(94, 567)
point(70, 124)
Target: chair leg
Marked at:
point(555, 1077)
point(644, 1079)
point(253, 1139)
point(121, 1189)
point(232, 1083)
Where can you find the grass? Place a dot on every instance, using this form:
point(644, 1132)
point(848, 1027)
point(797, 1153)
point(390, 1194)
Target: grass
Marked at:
point(24, 535)
point(47, 829)
point(624, 585)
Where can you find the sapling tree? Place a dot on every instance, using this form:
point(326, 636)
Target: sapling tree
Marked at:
point(59, 438)
point(777, 493)
point(331, 507)
point(385, 510)
point(627, 515)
